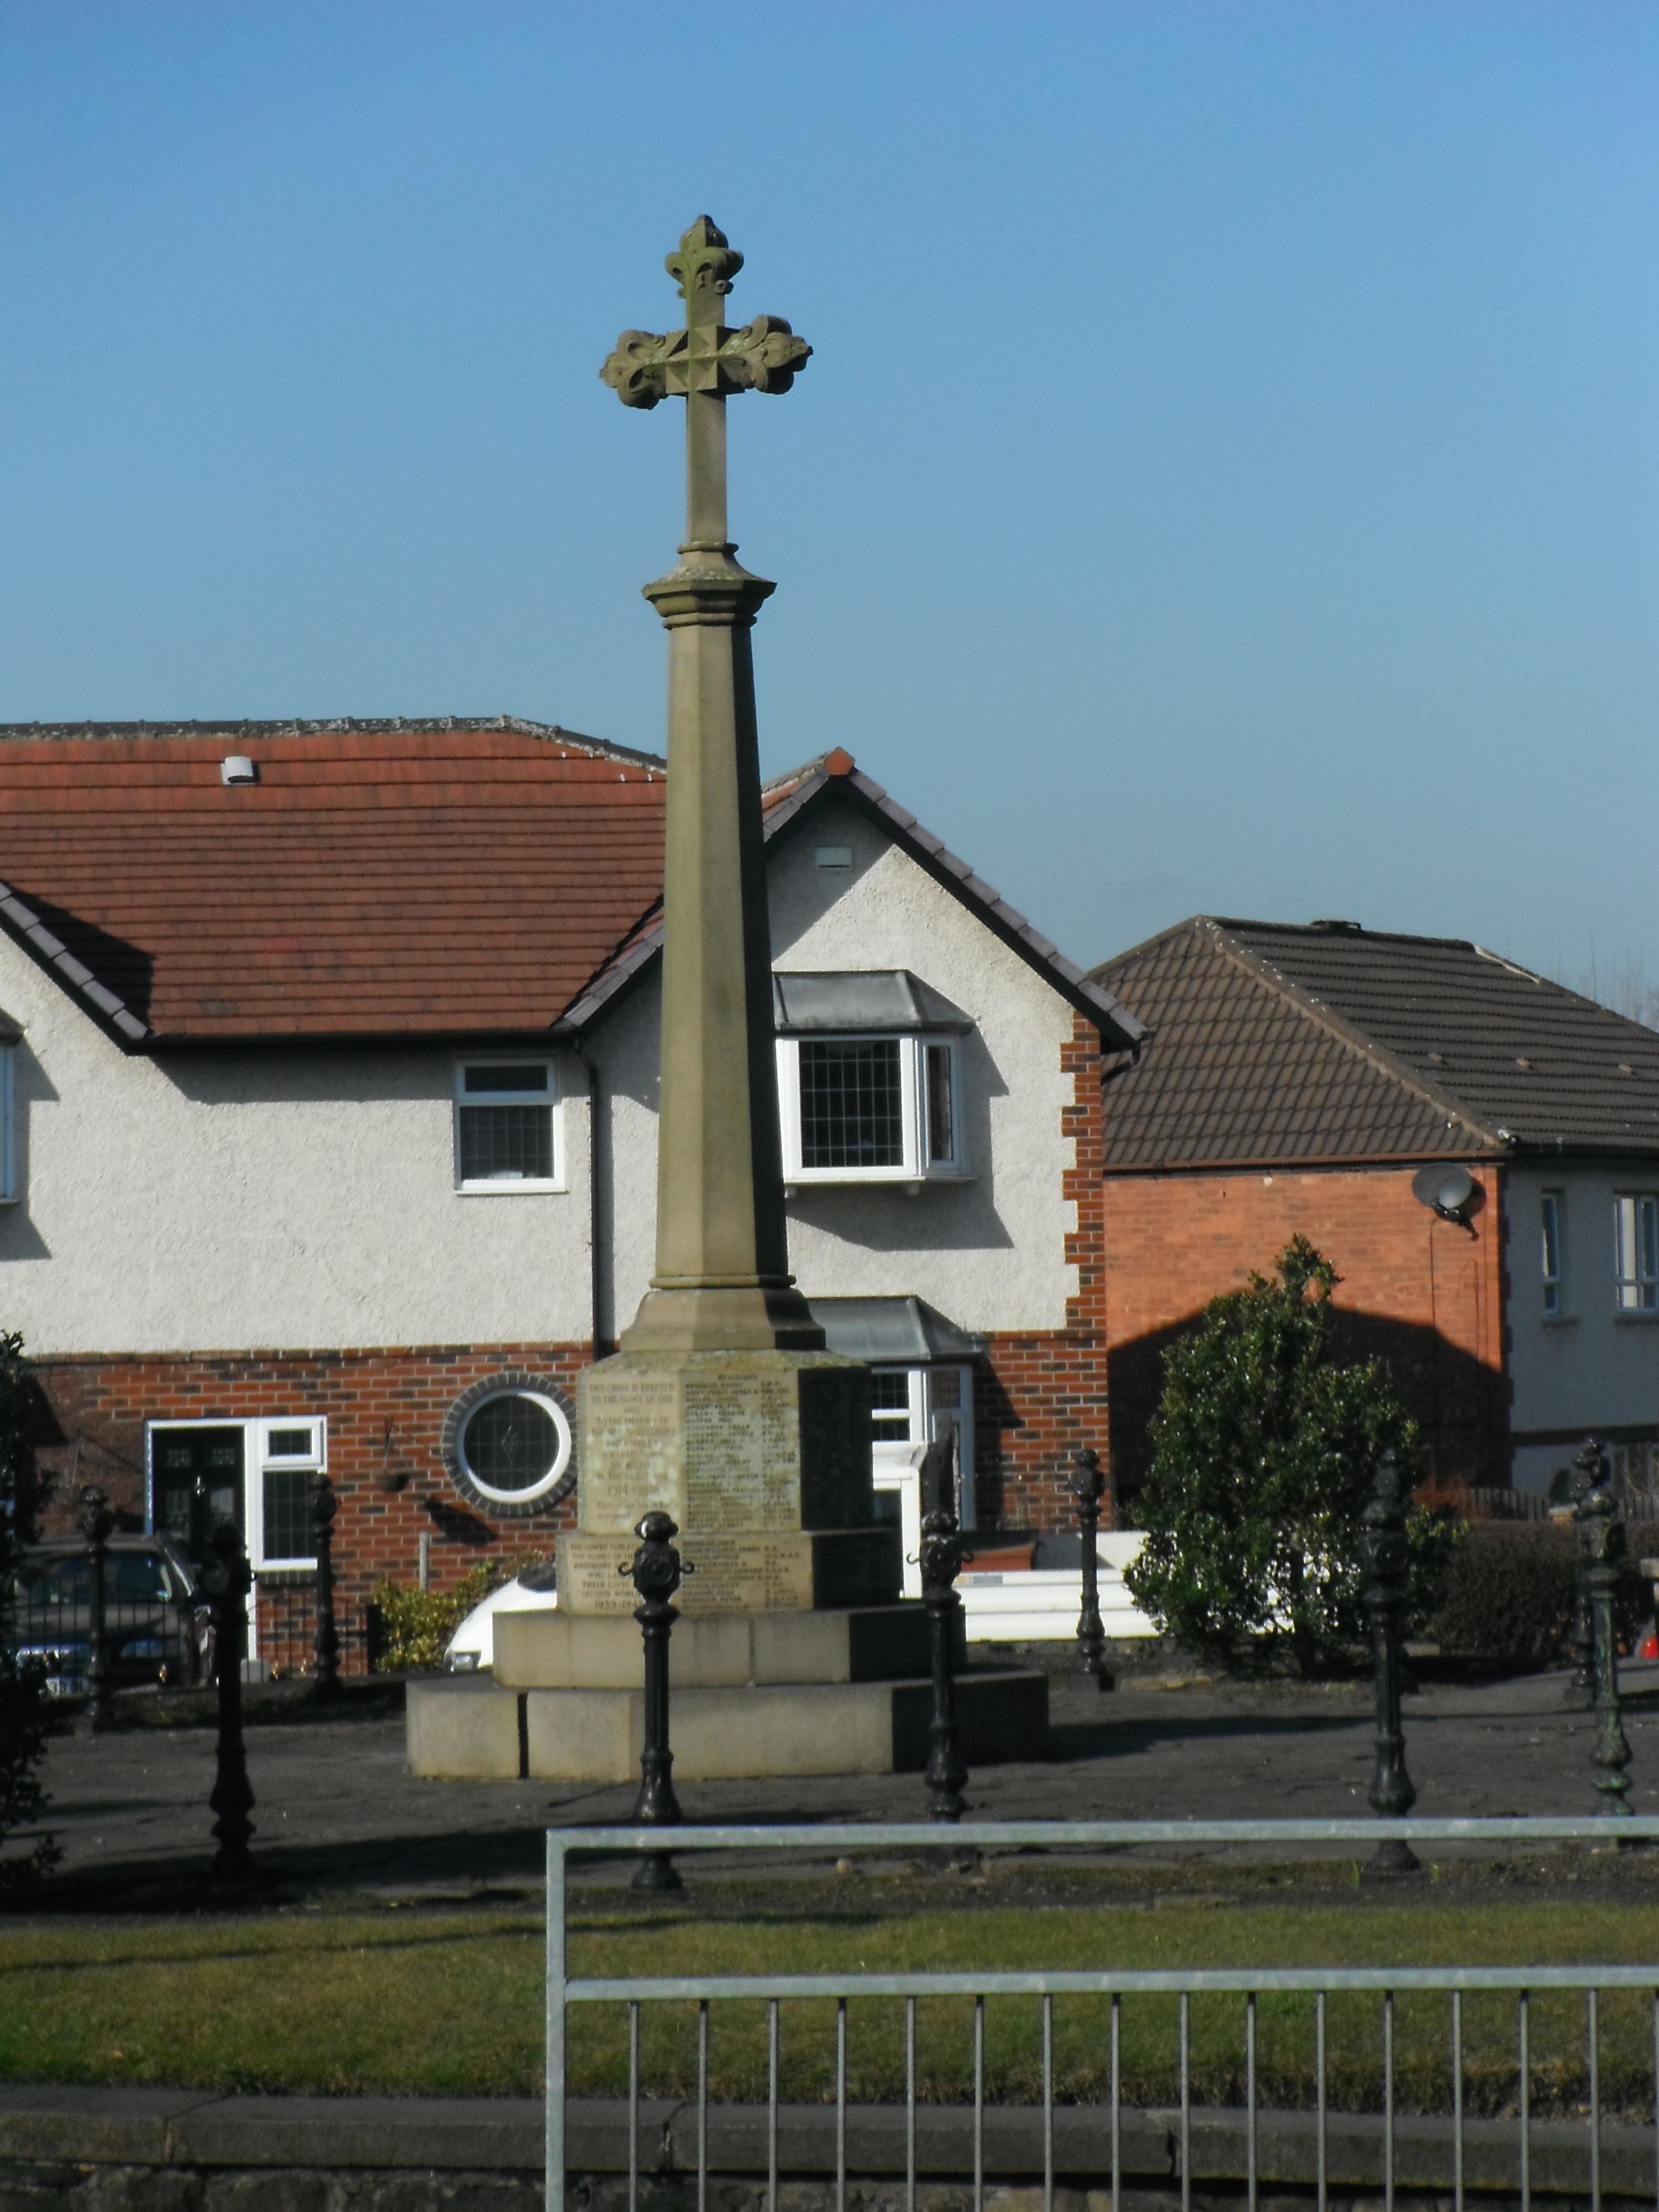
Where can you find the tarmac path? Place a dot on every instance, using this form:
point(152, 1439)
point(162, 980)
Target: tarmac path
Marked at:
point(337, 1811)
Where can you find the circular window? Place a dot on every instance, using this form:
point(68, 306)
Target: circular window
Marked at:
point(507, 1444)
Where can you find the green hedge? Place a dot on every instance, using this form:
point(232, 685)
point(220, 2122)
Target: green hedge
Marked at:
point(1509, 1593)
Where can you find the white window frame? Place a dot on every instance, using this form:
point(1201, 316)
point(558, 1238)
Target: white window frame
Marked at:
point(1552, 1208)
point(260, 1462)
point(896, 1461)
point(8, 1128)
point(561, 1430)
point(1636, 1225)
point(510, 1186)
point(915, 1168)
point(257, 1462)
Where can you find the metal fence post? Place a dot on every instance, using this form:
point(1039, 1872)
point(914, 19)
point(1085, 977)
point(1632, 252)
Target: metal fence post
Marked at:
point(97, 1522)
point(656, 1570)
point(1385, 1561)
point(1087, 1485)
point(941, 1559)
point(324, 1506)
point(228, 1578)
point(1590, 1471)
point(1604, 1535)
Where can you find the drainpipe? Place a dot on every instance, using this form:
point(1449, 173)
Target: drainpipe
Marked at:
point(596, 1262)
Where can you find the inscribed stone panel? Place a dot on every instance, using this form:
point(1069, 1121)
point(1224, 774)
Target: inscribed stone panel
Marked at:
point(742, 1448)
point(749, 1574)
point(631, 1436)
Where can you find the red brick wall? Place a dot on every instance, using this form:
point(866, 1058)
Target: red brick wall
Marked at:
point(384, 1410)
point(1422, 1292)
point(1039, 1396)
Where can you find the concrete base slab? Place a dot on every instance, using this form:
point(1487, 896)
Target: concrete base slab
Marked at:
point(747, 1733)
point(463, 1727)
point(548, 1649)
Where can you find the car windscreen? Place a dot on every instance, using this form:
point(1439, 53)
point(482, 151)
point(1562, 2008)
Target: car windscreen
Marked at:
point(130, 1578)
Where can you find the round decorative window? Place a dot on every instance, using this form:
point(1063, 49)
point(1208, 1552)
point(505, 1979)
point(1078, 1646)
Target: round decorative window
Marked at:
point(508, 1444)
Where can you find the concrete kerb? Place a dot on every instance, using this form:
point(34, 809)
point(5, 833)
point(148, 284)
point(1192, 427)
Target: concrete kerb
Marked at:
point(208, 2133)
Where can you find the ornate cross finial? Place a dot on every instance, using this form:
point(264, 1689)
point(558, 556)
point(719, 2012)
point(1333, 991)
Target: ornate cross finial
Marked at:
point(764, 356)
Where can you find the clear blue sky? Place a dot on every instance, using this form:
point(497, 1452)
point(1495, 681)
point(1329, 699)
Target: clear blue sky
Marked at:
point(1228, 477)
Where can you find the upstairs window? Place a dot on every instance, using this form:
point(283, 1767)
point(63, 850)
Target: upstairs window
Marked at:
point(865, 1093)
point(1636, 1221)
point(852, 1103)
point(505, 1126)
point(1552, 1251)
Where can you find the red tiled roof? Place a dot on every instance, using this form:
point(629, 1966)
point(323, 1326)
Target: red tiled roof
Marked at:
point(378, 879)
point(381, 878)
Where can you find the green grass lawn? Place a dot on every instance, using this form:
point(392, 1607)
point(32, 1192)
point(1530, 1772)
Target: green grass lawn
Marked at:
point(450, 2002)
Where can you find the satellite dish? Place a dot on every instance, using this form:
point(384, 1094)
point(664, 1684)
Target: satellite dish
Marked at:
point(1444, 1188)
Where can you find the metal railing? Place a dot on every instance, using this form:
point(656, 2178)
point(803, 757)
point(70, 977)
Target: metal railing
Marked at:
point(1112, 1984)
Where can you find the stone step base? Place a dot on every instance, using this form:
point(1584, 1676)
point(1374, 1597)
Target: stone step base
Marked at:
point(466, 1727)
point(545, 1648)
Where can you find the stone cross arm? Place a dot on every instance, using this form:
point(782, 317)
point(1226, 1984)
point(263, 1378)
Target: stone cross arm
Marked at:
point(764, 356)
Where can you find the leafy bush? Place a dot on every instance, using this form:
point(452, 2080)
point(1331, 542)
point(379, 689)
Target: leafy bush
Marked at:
point(416, 1624)
point(1264, 1453)
point(25, 1716)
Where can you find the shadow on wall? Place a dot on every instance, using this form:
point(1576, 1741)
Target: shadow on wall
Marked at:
point(1459, 1404)
point(124, 969)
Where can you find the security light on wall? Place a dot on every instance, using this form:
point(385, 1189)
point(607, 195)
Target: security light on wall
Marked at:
point(1446, 1190)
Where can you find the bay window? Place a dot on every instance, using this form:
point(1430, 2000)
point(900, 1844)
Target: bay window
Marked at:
point(869, 1079)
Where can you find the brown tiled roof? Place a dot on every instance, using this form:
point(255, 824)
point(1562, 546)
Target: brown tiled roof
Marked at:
point(397, 879)
point(379, 878)
point(1274, 1043)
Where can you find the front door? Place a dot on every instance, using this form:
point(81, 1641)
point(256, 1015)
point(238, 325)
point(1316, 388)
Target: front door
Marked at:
point(197, 1483)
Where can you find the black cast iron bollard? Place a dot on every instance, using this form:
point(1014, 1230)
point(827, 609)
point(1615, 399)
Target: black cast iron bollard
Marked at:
point(1087, 1485)
point(1590, 1471)
point(656, 1570)
point(228, 1578)
point(324, 1506)
point(941, 1560)
point(97, 1522)
point(1384, 1561)
point(1605, 1551)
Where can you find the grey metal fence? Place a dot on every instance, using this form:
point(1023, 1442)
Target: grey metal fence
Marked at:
point(1386, 1984)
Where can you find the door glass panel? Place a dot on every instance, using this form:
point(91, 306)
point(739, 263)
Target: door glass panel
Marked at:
point(198, 1484)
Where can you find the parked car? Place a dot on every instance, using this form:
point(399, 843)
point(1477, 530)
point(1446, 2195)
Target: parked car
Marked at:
point(157, 1624)
point(471, 1648)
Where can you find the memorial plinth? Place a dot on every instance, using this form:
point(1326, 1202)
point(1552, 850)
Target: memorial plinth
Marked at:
point(762, 1458)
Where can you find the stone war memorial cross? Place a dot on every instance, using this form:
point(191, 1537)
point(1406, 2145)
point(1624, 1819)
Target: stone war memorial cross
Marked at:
point(722, 1407)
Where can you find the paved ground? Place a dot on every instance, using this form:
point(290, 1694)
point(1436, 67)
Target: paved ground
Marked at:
point(337, 1811)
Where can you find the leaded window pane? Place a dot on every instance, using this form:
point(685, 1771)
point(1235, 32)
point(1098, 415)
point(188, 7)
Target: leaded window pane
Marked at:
point(941, 1115)
point(889, 1403)
point(510, 1443)
point(286, 1532)
point(507, 1144)
point(851, 1112)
